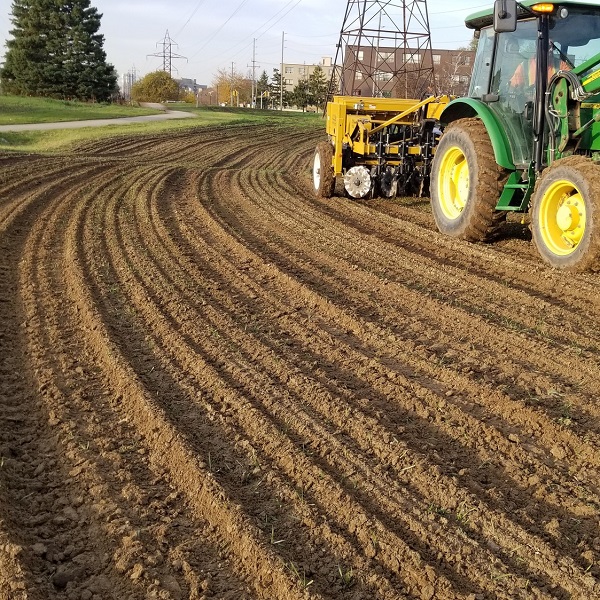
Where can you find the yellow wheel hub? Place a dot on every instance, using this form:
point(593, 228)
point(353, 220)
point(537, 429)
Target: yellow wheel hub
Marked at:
point(562, 217)
point(453, 187)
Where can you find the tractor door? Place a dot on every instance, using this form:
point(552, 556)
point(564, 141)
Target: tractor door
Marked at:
point(503, 77)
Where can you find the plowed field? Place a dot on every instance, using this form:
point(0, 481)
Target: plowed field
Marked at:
point(213, 385)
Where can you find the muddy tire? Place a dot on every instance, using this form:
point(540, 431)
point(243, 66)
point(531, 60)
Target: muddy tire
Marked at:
point(565, 214)
point(466, 183)
point(323, 174)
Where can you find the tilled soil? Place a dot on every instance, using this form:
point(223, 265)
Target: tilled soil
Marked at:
point(214, 385)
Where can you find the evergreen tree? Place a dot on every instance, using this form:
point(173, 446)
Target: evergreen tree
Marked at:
point(56, 51)
point(26, 55)
point(262, 90)
point(300, 95)
point(317, 87)
point(275, 92)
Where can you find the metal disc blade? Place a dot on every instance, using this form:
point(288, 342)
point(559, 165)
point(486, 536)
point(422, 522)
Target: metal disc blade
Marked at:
point(357, 182)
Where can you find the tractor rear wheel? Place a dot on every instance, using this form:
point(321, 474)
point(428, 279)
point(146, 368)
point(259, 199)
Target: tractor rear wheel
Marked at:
point(565, 214)
point(466, 183)
point(323, 174)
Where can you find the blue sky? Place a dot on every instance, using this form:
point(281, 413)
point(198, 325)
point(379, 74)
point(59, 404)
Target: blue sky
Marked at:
point(214, 34)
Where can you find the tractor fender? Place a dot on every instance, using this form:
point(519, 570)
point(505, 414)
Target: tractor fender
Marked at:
point(462, 108)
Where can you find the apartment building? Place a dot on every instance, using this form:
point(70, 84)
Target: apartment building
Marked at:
point(401, 72)
point(293, 73)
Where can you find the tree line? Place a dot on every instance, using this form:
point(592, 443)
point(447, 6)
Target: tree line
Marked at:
point(234, 87)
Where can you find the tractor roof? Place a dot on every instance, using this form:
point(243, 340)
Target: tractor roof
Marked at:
point(484, 18)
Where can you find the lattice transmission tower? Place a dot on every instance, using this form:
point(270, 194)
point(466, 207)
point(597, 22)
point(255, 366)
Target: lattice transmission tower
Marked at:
point(167, 53)
point(384, 50)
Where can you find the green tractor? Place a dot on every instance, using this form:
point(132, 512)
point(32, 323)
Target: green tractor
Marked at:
point(527, 137)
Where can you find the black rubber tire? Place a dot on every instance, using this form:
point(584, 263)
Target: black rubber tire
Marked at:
point(479, 220)
point(326, 184)
point(584, 175)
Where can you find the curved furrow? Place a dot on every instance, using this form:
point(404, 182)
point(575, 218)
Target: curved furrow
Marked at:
point(296, 291)
point(529, 301)
point(286, 152)
point(319, 438)
point(386, 436)
point(290, 252)
point(146, 147)
point(168, 448)
point(273, 146)
point(543, 353)
point(435, 339)
point(231, 156)
point(229, 197)
point(176, 349)
point(481, 259)
point(532, 327)
point(134, 533)
point(558, 399)
point(61, 534)
point(384, 270)
point(29, 188)
point(143, 146)
point(24, 432)
point(182, 149)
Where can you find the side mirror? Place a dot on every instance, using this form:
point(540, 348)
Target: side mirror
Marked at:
point(505, 16)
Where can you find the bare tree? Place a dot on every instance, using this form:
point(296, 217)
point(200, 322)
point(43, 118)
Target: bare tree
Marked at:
point(232, 85)
point(453, 76)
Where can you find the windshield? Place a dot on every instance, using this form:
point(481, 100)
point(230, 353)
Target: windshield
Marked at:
point(578, 35)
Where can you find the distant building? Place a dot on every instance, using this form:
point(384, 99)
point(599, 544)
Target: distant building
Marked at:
point(190, 85)
point(293, 73)
point(391, 72)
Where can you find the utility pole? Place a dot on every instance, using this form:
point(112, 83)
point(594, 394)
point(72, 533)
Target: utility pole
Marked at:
point(231, 87)
point(281, 79)
point(252, 101)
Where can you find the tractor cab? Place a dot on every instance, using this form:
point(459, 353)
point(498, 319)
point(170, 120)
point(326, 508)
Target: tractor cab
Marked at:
point(527, 138)
point(515, 62)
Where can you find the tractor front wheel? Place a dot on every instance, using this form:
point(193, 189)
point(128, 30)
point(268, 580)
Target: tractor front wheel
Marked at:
point(323, 174)
point(466, 183)
point(565, 214)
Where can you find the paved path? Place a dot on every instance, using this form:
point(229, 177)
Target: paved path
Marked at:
point(169, 114)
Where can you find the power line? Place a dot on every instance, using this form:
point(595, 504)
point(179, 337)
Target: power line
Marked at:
point(462, 26)
point(271, 18)
point(211, 37)
point(455, 10)
point(190, 17)
point(282, 16)
point(259, 28)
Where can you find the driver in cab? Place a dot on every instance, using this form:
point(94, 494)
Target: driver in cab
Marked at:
point(523, 78)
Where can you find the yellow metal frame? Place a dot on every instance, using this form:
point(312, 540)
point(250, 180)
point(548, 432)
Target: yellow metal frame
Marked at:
point(353, 119)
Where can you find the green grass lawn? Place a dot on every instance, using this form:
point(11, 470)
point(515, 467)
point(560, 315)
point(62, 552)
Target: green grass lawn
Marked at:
point(15, 110)
point(61, 140)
